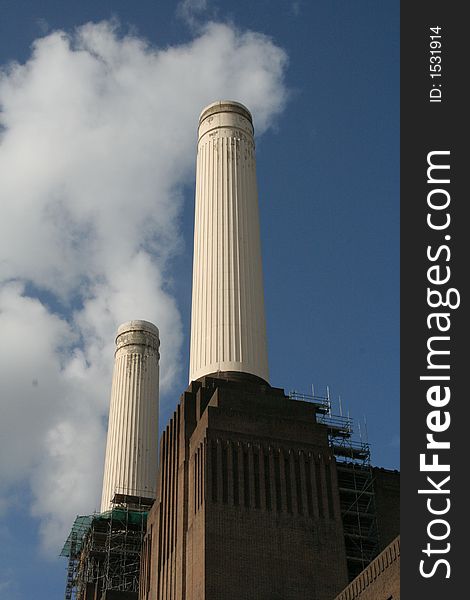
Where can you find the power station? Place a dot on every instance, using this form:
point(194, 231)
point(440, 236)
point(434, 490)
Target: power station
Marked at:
point(258, 495)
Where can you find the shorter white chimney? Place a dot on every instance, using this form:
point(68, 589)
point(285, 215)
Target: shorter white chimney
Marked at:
point(132, 444)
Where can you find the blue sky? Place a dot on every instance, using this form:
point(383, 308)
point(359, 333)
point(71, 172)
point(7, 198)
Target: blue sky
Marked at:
point(97, 205)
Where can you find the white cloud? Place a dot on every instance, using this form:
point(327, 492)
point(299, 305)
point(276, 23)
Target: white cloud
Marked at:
point(97, 141)
point(192, 10)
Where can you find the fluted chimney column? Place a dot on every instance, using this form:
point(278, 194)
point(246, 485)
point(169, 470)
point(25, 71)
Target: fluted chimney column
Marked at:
point(132, 443)
point(228, 331)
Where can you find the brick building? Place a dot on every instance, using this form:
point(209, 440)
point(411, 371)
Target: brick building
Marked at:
point(249, 504)
point(260, 495)
point(252, 502)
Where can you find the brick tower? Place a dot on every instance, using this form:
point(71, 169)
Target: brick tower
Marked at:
point(248, 503)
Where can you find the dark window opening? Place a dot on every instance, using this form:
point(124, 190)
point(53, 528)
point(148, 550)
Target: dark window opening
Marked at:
point(256, 474)
point(308, 481)
point(195, 483)
point(214, 471)
point(298, 486)
point(319, 489)
point(246, 479)
point(224, 475)
point(277, 482)
point(267, 483)
point(288, 484)
point(235, 476)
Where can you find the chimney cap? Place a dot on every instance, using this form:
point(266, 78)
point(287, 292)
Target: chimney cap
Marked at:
point(225, 106)
point(138, 325)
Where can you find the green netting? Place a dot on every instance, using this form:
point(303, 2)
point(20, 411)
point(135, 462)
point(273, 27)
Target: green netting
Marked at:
point(83, 523)
point(79, 528)
point(121, 514)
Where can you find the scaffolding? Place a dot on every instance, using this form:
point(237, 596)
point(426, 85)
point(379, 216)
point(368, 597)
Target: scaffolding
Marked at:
point(72, 566)
point(104, 549)
point(357, 499)
point(355, 483)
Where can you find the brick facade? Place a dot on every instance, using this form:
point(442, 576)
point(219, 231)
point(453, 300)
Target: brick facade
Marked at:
point(380, 580)
point(387, 501)
point(248, 503)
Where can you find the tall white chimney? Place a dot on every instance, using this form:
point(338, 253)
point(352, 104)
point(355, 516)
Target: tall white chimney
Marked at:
point(132, 444)
point(228, 331)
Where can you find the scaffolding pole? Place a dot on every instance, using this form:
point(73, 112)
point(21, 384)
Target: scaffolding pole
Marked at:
point(104, 549)
point(355, 482)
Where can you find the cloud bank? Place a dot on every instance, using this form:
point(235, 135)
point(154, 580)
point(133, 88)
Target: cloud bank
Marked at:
point(97, 140)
